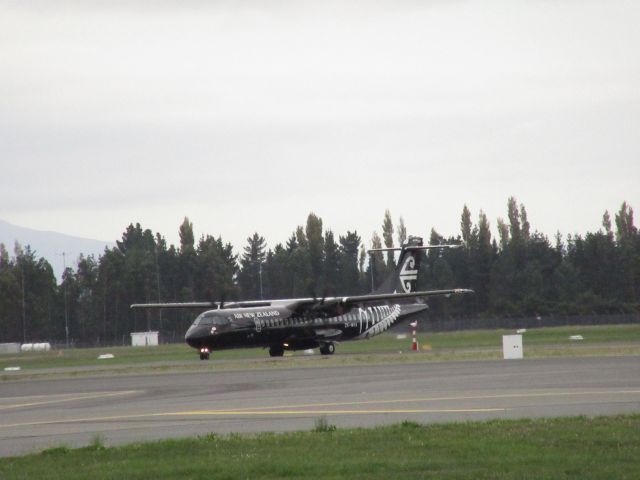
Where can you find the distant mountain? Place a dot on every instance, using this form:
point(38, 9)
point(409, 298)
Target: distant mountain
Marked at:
point(50, 245)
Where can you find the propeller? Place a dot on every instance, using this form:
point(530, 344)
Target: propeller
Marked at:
point(324, 295)
point(317, 305)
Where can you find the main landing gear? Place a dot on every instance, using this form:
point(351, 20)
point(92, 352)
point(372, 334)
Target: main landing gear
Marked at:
point(276, 350)
point(204, 354)
point(327, 348)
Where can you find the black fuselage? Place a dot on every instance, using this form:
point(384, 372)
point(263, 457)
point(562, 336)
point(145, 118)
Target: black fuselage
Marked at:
point(278, 326)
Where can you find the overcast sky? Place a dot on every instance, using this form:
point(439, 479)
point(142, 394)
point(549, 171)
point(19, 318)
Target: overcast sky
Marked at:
point(247, 115)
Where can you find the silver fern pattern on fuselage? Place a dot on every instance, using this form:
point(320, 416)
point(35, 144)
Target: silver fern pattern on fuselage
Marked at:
point(378, 319)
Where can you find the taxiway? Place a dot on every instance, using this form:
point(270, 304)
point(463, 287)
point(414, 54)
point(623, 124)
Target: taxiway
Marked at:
point(38, 414)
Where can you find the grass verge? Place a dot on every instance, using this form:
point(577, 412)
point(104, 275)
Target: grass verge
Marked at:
point(560, 448)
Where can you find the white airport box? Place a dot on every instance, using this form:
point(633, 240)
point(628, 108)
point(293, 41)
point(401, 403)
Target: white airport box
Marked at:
point(144, 339)
point(512, 346)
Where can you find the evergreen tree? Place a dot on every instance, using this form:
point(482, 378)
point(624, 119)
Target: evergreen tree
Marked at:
point(111, 285)
point(629, 245)
point(503, 233)
point(187, 239)
point(483, 257)
point(387, 236)
point(606, 223)
point(524, 222)
point(187, 261)
point(276, 273)
point(249, 276)
point(217, 267)
point(376, 271)
point(331, 277)
point(10, 295)
point(466, 225)
point(37, 295)
point(362, 259)
point(139, 279)
point(514, 220)
point(302, 281)
point(85, 283)
point(315, 249)
point(348, 264)
point(402, 232)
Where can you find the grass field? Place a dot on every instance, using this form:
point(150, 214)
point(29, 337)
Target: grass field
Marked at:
point(460, 345)
point(561, 448)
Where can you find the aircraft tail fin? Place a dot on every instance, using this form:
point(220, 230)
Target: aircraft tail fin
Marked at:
point(404, 277)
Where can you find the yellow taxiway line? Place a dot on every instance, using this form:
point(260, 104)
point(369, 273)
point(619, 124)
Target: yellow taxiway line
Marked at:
point(338, 412)
point(313, 408)
point(228, 413)
point(451, 398)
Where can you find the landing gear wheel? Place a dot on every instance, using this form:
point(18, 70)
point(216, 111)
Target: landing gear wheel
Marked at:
point(276, 350)
point(327, 349)
point(204, 355)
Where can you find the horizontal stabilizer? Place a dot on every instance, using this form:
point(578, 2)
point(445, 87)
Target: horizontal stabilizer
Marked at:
point(412, 248)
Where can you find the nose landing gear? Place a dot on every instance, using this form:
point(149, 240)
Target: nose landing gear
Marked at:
point(204, 354)
point(276, 350)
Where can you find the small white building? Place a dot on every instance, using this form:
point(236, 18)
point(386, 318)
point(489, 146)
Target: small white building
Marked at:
point(9, 348)
point(144, 339)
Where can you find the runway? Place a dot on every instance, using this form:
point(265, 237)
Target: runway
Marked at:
point(122, 409)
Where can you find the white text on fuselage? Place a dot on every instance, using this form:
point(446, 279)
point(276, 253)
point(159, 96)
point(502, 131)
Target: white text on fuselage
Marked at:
point(267, 314)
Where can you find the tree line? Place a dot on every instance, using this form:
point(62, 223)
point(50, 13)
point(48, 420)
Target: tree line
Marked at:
point(516, 273)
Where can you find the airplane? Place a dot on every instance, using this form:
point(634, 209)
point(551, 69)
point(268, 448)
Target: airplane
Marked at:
point(308, 323)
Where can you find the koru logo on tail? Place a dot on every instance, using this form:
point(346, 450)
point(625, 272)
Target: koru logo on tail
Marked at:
point(408, 273)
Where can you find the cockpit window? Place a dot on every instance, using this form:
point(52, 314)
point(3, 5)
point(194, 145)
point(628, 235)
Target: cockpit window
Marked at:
point(211, 319)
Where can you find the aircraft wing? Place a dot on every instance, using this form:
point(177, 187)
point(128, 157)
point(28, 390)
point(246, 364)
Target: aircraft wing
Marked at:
point(333, 304)
point(250, 303)
point(310, 305)
point(392, 296)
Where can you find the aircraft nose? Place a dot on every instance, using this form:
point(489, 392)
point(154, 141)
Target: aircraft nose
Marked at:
point(190, 336)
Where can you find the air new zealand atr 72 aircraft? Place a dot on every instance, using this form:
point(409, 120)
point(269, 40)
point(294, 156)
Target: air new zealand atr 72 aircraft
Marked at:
point(303, 323)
